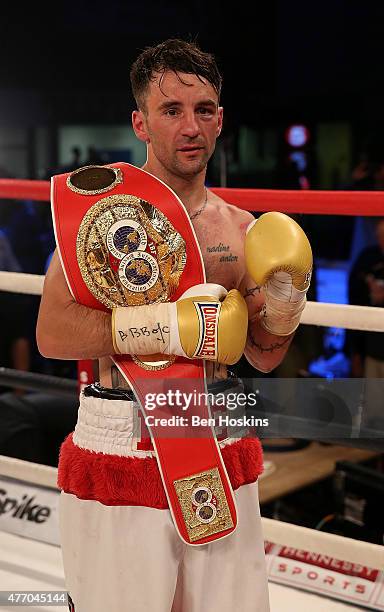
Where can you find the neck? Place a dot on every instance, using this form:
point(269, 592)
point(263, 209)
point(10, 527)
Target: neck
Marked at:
point(190, 189)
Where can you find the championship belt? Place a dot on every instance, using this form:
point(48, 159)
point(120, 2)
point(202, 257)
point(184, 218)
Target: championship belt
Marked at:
point(125, 239)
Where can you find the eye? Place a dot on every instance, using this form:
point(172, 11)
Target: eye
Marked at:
point(171, 112)
point(203, 110)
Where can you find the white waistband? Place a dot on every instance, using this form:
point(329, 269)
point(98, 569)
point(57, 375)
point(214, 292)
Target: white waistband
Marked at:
point(113, 427)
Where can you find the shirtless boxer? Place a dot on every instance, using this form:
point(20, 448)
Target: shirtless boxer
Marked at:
point(126, 555)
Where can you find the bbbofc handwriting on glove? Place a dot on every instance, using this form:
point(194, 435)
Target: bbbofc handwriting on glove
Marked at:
point(206, 322)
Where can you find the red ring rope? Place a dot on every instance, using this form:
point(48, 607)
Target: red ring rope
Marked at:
point(365, 203)
point(17, 189)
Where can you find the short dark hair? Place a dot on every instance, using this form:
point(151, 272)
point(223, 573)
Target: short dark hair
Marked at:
point(172, 55)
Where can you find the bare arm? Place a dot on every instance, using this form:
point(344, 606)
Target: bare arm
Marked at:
point(264, 351)
point(65, 329)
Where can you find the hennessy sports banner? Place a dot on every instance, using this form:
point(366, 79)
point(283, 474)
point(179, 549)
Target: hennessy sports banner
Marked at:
point(125, 240)
point(334, 578)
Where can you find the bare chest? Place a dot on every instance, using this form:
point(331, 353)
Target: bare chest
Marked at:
point(223, 255)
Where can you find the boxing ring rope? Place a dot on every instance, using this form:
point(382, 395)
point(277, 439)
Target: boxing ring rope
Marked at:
point(27, 471)
point(345, 316)
point(287, 534)
point(37, 382)
point(19, 282)
point(363, 318)
point(261, 200)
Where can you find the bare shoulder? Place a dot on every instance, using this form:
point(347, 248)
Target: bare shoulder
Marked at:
point(55, 281)
point(228, 213)
point(54, 268)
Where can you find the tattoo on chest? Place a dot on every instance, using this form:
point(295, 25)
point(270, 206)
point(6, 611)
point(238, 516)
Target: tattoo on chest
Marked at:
point(272, 347)
point(224, 252)
point(252, 291)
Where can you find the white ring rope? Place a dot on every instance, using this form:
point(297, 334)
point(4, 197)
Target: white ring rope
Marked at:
point(34, 473)
point(328, 544)
point(18, 282)
point(362, 318)
point(285, 534)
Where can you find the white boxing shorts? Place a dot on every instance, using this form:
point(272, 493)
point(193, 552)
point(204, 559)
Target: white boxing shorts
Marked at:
point(121, 551)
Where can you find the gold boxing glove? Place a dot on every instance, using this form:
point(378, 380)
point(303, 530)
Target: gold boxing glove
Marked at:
point(206, 322)
point(279, 257)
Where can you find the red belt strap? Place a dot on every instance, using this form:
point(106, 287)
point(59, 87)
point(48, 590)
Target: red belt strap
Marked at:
point(83, 207)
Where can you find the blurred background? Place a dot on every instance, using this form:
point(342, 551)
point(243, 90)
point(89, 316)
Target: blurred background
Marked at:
point(303, 101)
point(303, 98)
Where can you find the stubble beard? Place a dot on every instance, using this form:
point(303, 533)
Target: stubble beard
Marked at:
point(171, 162)
point(191, 168)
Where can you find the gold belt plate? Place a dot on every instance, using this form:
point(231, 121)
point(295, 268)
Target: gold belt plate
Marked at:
point(203, 504)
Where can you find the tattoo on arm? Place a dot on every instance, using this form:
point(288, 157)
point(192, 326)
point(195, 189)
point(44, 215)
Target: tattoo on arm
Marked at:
point(268, 349)
point(252, 290)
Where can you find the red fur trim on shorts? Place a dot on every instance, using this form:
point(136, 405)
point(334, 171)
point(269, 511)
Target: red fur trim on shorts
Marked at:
point(132, 481)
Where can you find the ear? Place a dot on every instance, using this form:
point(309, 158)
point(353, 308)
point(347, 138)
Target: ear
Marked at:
point(219, 120)
point(139, 126)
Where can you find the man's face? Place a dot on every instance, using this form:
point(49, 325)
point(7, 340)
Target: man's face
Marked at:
point(181, 122)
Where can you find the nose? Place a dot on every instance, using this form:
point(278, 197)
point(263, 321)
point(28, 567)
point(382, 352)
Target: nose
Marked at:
point(190, 125)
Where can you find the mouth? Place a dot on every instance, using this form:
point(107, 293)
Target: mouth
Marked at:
point(190, 149)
